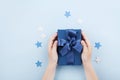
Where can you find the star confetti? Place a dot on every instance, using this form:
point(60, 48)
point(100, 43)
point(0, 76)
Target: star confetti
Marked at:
point(38, 64)
point(67, 14)
point(97, 45)
point(80, 21)
point(43, 35)
point(38, 44)
point(97, 60)
point(40, 29)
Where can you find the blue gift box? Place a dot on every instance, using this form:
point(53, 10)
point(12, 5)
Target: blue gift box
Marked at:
point(69, 47)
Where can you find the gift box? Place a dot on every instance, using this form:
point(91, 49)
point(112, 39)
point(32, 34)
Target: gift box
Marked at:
point(69, 47)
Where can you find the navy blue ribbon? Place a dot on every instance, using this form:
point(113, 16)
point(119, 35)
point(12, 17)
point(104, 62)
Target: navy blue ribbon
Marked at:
point(70, 44)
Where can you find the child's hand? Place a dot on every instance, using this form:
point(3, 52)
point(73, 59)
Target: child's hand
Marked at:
point(52, 53)
point(87, 50)
point(86, 59)
point(52, 50)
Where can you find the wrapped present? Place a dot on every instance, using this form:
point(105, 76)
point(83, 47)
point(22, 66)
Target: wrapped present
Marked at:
point(69, 47)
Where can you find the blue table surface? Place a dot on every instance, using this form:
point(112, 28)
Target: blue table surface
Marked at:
point(22, 22)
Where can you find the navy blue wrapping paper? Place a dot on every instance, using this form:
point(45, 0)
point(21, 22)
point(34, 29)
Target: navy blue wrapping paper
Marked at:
point(69, 47)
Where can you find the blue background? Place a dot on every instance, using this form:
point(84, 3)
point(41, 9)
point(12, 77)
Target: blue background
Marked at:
point(19, 23)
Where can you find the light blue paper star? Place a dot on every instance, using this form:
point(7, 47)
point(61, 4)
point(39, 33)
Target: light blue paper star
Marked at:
point(67, 14)
point(38, 64)
point(98, 59)
point(38, 44)
point(97, 45)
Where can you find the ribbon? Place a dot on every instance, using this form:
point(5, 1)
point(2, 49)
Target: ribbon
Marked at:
point(70, 45)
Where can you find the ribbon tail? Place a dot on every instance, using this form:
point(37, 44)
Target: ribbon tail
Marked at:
point(78, 46)
point(70, 58)
point(65, 50)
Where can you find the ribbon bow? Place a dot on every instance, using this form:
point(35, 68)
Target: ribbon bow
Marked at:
point(70, 45)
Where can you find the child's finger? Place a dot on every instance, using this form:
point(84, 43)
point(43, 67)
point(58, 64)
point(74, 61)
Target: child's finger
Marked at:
point(55, 45)
point(86, 40)
point(84, 46)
